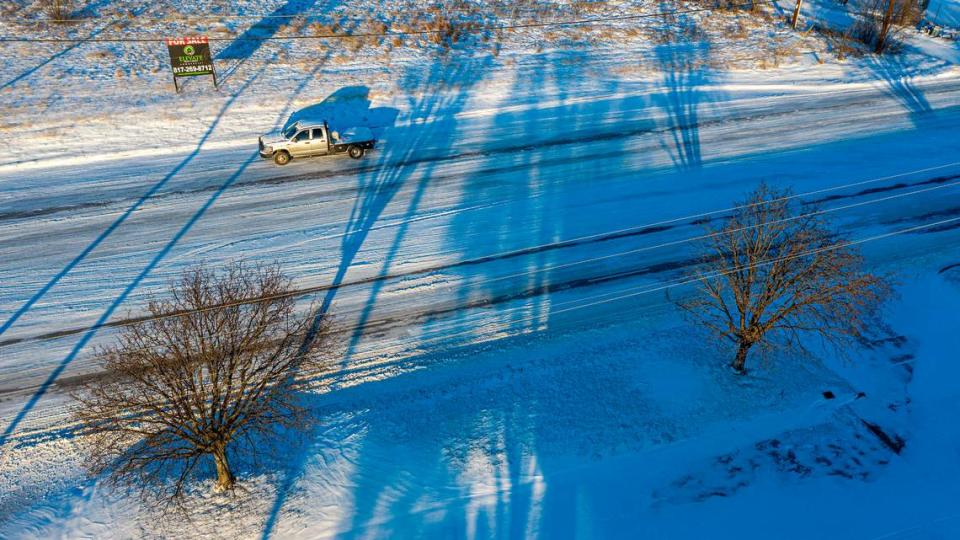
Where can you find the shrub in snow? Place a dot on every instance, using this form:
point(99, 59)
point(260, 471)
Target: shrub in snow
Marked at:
point(59, 10)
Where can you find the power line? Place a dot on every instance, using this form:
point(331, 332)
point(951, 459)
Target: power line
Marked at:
point(643, 290)
point(552, 245)
point(487, 27)
point(268, 16)
point(706, 236)
point(613, 295)
point(570, 242)
point(647, 289)
point(679, 241)
point(495, 10)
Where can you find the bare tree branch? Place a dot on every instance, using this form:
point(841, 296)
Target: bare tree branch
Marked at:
point(771, 275)
point(183, 390)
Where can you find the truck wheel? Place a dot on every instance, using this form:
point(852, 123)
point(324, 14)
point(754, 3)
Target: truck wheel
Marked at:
point(281, 158)
point(355, 151)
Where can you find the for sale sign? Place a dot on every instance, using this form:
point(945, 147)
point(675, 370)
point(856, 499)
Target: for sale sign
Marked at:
point(189, 57)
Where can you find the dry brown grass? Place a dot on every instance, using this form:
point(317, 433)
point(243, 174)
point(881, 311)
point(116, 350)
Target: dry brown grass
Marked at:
point(99, 55)
point(10, 9)
point(738, 30)
point(840, 43)
point(738, 37)
point(464, 23)
point(586, 6)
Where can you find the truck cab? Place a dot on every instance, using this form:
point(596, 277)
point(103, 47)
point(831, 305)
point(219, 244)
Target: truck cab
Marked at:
point(308, 141)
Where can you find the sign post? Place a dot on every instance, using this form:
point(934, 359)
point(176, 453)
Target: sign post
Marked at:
point(190, 57)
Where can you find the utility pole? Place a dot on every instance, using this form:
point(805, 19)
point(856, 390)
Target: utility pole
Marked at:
point(796, 14)
point(887, 18)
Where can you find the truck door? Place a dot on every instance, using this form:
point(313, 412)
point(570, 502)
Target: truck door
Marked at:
point(300, 144)
point(319, 145)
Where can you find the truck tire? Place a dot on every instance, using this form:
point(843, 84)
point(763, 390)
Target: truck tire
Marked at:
point(281, 158)
point(355, 151)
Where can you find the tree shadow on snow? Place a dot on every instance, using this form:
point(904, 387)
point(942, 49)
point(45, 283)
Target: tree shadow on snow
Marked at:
point(469, 463)
point(438, 91)
point(91, 9)
point(256, 35)
point(158, 256)
point(683, 64)
point(541, 191)
point(441, 93)
point(897, 76)
point(93, 35)
point(398, 458)
point(253, 38)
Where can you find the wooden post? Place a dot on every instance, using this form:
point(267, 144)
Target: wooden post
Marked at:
point(887, 17)
point(796, 14)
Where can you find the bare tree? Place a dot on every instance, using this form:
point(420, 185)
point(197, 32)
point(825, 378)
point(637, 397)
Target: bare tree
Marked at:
point(213, 371)
point(772, 275)
point(881, 23)
point(885, 27)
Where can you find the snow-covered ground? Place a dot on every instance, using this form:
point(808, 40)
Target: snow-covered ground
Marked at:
point(498, 269)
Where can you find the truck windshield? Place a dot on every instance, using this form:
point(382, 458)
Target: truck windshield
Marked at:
point(290, 131)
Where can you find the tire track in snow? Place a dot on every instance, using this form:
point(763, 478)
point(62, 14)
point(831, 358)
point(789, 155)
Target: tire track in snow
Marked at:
point(88, 335)
point(117, 222)
point(588, 284)
point(35, 435)
point(559, 245)
point(575, 139)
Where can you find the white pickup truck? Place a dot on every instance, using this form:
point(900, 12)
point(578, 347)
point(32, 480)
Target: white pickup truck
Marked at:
point(302, 139)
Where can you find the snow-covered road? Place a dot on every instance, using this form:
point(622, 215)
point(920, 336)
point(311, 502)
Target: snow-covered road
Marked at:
point(501, 273)
point(472, 222)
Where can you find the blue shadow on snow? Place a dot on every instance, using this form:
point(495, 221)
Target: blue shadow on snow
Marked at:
point(378, 187)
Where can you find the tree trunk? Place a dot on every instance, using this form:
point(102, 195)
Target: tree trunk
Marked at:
point(225, 478)
point(740, 361)
point(887, 17)
point(796, 14)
